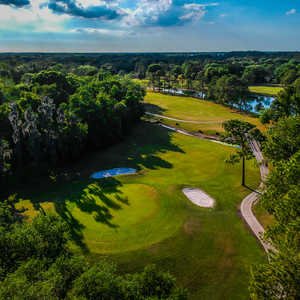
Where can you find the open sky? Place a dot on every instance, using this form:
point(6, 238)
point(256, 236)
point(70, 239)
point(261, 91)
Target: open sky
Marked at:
point(148, 25)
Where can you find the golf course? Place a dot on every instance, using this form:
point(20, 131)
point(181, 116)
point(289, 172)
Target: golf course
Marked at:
point(265, 90)
point(146, 218)
point(204, 116)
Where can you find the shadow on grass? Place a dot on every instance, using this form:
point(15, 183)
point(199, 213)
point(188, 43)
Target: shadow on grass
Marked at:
point(252, 190)
point(153, 108)
point(100, 198)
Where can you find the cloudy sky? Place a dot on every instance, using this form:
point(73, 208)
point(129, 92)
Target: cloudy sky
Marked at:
point(148, 25)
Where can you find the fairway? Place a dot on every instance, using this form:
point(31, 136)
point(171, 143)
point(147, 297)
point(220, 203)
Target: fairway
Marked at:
point(192, 109)
point(146, 218)
point(265, 90)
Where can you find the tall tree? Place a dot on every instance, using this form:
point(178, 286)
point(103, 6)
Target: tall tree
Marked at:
point(238, 133)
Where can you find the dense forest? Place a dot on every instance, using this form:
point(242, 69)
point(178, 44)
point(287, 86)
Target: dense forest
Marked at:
point(220, 77)
point(50, 117)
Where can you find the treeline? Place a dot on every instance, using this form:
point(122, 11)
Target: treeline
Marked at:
point(280, 277)
point(51, 117)
point(255, 67)
point(225, 82)
point(220, 77)
point(37, 263)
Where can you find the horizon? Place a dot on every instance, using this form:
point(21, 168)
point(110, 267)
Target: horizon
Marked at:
point(152, 52)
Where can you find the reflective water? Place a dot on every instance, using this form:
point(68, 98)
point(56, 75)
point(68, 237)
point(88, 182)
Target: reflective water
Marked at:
point(258, 103)
point(113, 172)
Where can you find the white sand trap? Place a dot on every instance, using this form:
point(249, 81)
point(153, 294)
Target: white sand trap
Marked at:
point(199, 197)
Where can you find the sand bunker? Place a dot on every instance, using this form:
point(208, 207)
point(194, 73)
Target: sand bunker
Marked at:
point(199, 197)
point(113, 172)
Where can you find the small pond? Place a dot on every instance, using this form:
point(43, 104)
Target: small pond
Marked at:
point(258, 101)
point(113, 172)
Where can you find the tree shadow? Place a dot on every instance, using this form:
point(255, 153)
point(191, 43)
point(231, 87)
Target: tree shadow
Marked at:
point(75, 226)
point(100, 198)
point(89, 201)
point(153, 108)
point(141, 150)
point(252, 190)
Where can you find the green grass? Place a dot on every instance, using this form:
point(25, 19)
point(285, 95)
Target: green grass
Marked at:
point(264, 218)
point(191, 109)
point(139, 219)
point(265, 90)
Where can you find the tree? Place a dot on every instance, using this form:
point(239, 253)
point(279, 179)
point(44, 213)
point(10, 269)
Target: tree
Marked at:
point(238, 133)
point(37, 263)
point(280, 277)
point(254, 74)
point(232, 91)
point(5, 158)
point(86, 70)
point(283, 139)
point(155, 71)
point(286, 104)
point(289, 77)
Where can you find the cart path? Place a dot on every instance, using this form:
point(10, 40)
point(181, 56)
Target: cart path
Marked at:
point(251, 199)
point(182, 121)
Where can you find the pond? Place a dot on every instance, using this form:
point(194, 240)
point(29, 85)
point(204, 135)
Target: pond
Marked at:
point(258, 102)
point(113, 172)
point(264, 101)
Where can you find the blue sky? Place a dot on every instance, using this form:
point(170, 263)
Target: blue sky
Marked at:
point(148, 25)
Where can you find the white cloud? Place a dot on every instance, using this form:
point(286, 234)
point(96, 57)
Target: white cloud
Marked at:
point(146, 11)
point(34, 19)
point(195, 11)
point(100, 31)
point(291, 12)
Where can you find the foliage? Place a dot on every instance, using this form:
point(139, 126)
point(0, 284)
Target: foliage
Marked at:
point(283, 139)
point(279, 278)
point(231, 91)
point(60, 116)
point(36, 263)
point(240, 133)
point(286, 104)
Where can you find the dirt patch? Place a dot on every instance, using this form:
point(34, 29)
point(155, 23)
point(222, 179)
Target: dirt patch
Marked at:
point(191, 226)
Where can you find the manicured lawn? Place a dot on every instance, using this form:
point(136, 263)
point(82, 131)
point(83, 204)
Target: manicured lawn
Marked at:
point(265, 90)
point(139, 219)
point(191, 109)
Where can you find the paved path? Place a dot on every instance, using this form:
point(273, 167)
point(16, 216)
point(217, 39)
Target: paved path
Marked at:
point(250, 200)
point(183, 121)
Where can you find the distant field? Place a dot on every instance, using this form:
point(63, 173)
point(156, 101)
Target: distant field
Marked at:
point(145, 218)
point(191, 109)
point(265, 90)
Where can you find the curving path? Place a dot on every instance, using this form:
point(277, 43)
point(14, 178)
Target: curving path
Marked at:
point(251, 199)
point(182, 121)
